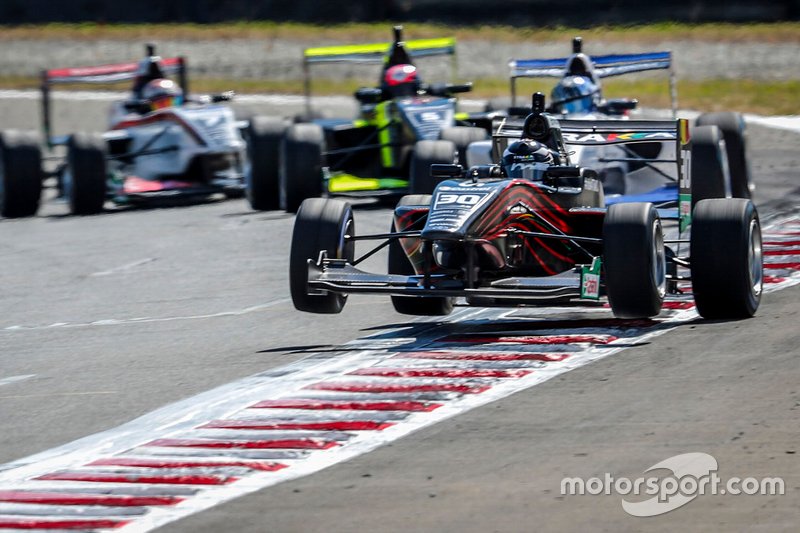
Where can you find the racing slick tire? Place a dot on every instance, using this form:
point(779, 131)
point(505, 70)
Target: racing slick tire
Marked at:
point(726, 258)
point(400, 264)
point(21, 179)
point(462, 136)
point(708, 164)
point(264, 135)
point(301, 165)
point(86, 167)
point(634, 260)
point(320, 224)
point(732, 127)
point(427, 153)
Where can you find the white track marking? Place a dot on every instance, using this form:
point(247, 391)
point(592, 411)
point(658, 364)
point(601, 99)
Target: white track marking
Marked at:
point(124, 268)
point(145, 320)
point(15, 379)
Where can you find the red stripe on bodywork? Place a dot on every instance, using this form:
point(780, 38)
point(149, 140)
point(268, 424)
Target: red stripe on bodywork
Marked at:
point(300, 444)
point(348, 406)
point(333, 425)
point(136, 478)
point(35, 523)
point(379, 388)
point(439, 373)
point(61, 498)
point(782, 266)
point(474, 356)
point(530, 339)
point(156, 463)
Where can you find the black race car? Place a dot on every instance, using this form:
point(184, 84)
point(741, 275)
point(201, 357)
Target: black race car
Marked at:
point(534, 230)
point(404, 126)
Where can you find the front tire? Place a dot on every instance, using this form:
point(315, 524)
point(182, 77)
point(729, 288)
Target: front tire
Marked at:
point(726, 258)
point(732, 127)
point(301, 165)
point(400, 264)
point(634, 259)
point(264, 135)
point(708, 160)
point(427, 153)
point(86, 165)
point(320, 224)
point(21, 179)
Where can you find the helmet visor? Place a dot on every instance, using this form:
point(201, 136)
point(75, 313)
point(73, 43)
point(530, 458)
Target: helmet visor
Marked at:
point(527, 170)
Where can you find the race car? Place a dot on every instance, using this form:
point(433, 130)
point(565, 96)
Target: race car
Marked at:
point(403, 127)
point(161, 144)
point(535, 230)
point(624, 170)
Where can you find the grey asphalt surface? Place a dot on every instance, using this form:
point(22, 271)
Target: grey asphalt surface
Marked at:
point(727, 389)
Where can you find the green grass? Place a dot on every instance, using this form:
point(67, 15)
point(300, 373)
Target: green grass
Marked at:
point(363, 32)
point(748, 96)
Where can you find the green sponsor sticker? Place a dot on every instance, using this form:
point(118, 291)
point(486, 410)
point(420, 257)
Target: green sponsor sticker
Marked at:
point(590, 280)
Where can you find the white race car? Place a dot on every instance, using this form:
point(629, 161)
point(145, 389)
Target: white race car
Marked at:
point(158, 147)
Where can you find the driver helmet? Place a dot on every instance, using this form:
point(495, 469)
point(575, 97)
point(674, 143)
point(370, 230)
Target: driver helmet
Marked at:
point(162, 93)
point(527, 159)
point(575, 94)
point(401, 80)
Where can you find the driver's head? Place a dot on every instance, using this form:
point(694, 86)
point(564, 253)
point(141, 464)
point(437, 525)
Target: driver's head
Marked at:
point(527, 159)
point(162, 93)
point(401, 80)
point(575, 94)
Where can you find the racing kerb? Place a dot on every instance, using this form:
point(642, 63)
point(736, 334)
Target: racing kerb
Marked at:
point(293, 421)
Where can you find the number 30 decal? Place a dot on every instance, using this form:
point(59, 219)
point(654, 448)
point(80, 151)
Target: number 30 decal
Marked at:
point(458, 199)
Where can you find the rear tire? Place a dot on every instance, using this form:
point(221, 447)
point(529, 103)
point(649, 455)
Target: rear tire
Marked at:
point(264, 135)
point(708, 156)
point(634, 260)
point(400, 264)
point(427, 153)
point(321, 224)
point(462, 136)
point(732, 126)
point(21, 179)
point(86, 162)
point(727, 258)
point(301, 165)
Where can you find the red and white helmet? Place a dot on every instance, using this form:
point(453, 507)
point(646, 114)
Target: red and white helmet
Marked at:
point(401, 80)
point(162, 93)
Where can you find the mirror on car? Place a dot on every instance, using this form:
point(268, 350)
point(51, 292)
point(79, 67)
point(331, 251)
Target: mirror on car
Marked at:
point(446, 171)
point(368, 95)
point(563, 171)
point(227, 96)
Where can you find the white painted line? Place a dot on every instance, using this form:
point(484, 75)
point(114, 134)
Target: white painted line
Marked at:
point(15, 379)
point(146, 320)
point(789, 122)
point(124, 268)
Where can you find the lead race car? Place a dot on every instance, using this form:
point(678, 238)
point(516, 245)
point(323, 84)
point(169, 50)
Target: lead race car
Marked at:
point(161, 144)
point(535, 230)
point(403, 126)
point(636, 169)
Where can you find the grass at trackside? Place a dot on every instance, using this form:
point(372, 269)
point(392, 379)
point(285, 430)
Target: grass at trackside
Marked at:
point(763, 97)
point(379, 31)
point(748, 96)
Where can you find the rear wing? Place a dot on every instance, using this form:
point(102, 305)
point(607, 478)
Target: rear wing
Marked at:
point(375, 53)
point(599, 67)
point(602, 132)
point(102, 74)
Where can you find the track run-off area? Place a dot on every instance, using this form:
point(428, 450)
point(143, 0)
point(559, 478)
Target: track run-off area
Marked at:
point(152, 367)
